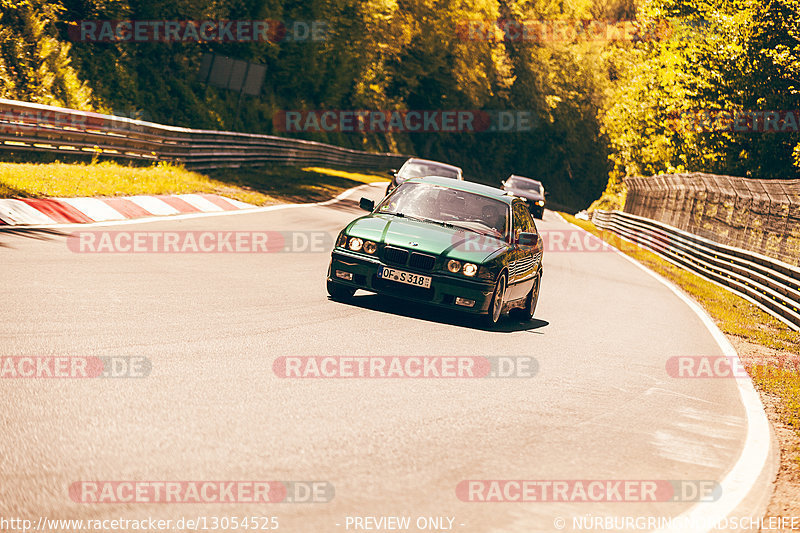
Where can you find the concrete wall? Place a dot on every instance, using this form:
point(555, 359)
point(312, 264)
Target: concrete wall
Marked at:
point(758, 215)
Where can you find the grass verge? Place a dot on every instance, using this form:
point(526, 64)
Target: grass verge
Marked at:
point(769, 351)
point(259, 186)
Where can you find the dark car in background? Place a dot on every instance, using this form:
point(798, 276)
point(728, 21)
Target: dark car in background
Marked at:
point(420, 168)
point(529, 189)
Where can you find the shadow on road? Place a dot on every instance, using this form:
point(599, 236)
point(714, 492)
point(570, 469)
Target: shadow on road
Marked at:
point(41, 234)
point(388, 304)
point(348, 204)
point(292, 184)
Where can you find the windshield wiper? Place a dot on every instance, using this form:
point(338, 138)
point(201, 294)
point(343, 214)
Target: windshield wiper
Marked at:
point(439, 222)
point(418, 219)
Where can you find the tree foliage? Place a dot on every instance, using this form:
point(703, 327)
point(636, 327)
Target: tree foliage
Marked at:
point(589, 99)
point(35, 64)
point(724, 58)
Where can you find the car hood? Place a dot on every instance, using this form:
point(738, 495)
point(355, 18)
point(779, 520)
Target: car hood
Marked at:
point(455, 243)
point(526, 193)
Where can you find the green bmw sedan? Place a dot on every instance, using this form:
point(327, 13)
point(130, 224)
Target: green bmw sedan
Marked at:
point(455, 244)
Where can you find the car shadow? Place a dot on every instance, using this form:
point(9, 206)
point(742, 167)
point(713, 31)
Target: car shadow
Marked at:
point(347, 204)
point(395, 306)
point(41, 234)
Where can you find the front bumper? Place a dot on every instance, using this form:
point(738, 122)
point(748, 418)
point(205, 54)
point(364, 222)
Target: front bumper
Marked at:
point(443, 291)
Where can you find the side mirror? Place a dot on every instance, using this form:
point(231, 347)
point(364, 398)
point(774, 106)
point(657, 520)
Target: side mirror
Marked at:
point(528, 239)
point(366, 204)
point(546, 193)
point(503, 182)
point(392, 172)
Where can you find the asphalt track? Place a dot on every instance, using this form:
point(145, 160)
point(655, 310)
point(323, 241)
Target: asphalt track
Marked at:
point(601, 407)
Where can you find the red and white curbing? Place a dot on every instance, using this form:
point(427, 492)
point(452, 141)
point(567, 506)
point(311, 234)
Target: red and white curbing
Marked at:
point(44, 211)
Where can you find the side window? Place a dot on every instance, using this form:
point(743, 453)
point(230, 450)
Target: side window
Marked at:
point(530, 222)
point(522, 219)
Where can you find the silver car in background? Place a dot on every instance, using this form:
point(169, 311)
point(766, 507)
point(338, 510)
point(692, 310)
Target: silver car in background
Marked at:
point(420, 168)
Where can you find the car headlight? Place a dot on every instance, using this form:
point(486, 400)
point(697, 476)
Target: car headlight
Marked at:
point(355, 244)
point(540, 203)
point(342, 241)
point(470, 269)
point(370, 247)
point(454, 266)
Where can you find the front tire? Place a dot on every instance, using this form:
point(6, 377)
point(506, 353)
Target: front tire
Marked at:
point(339, 292)
point(496, 306)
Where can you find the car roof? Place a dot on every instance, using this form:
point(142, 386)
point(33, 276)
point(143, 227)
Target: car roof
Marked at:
point(429, 162)
point(524, 178)
point(466, 186)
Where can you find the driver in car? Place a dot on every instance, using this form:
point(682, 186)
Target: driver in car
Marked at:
point(492, 216)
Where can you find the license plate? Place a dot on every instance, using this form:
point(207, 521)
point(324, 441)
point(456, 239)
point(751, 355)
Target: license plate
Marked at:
point(409, 278)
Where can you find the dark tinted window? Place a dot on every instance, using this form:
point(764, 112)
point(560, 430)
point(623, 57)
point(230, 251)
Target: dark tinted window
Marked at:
point(522, 219)
point(528, 185)
point(420, 170)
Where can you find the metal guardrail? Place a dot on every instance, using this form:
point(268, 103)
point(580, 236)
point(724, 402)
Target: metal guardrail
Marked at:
point(40, 128)
point(772, 285)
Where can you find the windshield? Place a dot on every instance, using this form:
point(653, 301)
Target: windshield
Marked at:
point(420, 170)
point(438, 204)
point(527, 185)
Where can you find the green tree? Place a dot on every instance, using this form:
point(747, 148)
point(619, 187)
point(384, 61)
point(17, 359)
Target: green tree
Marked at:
point(34, 64)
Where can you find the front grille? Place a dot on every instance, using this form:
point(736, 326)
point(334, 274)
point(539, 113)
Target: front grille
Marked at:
point(422, 261)
point(395, 255)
